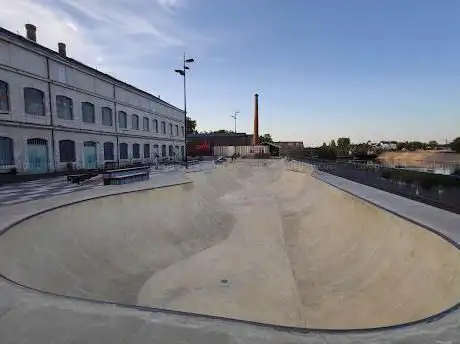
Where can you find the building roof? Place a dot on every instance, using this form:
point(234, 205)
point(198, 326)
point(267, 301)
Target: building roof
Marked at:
point(70, 60)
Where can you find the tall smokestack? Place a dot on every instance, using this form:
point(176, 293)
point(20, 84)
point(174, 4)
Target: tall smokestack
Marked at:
point(255, 139)
point(31, 32)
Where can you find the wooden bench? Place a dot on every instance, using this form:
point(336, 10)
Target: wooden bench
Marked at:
point(126, 175)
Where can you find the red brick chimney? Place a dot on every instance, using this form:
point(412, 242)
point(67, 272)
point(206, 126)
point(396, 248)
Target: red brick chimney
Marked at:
point(255, 139)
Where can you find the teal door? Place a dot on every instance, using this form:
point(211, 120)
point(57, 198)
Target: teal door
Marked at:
point(37, 155)
point(90, 155)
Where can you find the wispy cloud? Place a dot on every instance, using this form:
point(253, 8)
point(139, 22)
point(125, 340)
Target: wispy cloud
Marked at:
point(104, 33)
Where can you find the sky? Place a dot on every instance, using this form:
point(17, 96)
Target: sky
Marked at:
point(364, 69)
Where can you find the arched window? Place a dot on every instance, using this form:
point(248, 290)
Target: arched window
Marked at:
point(146, 123)
point(6, 151)
point(123, 151)
point(146, 151)
point(107, 116)
point(67, 151)
point(177, 130)
point(136, 153)
point(87, 112)
point(64, 107)
point(34, 103)
point(108, 151)
point(155, 126)
point(122, 120)
point(163, 127)
point(4, 96)
point(135, 122)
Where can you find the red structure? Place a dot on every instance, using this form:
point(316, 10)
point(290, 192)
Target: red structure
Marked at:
point(255, 139)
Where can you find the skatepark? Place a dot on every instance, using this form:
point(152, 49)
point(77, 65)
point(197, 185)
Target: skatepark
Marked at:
point(252, 241)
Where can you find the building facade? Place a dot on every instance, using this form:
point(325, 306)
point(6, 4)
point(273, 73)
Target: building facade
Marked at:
point(57, 113)
point(201, 144)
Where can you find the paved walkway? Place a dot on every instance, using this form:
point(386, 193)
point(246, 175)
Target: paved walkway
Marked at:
point(42, 188)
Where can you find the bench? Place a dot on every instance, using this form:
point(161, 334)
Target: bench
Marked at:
point(126, 175)
point(77, 178)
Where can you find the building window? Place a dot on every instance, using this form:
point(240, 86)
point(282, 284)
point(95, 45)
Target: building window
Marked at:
point(146, 124)
point(34, 101)
point(136, 154)
point(122, 119)
point(146, 151)
point(6, 151)
point(182, 152)
point(171, 150)
point(163, 127)
point(163, 150)
point(108, 151)
point(182, 130)
point(4, 97)
point(177, 130)
point(67, 151)
point(135, 122)
point(64, 107)
point(155, 126)
point(123, 151)
point(87, 112)
point(107, 116)
point(170, 129)
point(155, 150)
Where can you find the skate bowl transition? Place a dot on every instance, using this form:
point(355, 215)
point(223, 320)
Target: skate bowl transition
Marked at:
point(249, 241)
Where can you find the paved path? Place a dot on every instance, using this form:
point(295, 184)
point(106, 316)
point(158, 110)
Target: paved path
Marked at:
point(42, 188)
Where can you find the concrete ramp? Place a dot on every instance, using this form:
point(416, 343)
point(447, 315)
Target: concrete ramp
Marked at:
point(250, 241)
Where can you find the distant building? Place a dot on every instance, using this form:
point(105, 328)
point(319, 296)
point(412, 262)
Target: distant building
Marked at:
point(201, 144)
point(289, 146)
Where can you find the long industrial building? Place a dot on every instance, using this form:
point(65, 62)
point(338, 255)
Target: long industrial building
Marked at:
point(57, 113)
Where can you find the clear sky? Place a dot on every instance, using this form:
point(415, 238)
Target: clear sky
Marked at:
point(367, 69)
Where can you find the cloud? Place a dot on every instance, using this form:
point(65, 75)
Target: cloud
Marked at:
point(104, 33)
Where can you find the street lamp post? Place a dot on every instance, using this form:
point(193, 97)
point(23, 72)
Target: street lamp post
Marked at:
point(183, 72)
point(235, 116)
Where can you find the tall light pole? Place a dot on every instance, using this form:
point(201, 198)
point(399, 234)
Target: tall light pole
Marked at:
point(183, 72)
point(235, 116)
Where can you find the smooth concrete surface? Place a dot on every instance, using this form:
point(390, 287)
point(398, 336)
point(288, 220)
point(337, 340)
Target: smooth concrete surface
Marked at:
point(250, 241)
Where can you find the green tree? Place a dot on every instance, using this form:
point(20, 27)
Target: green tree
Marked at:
point(191, 125)
point(433, 143)
point(343, 143)
point(221, 131)
point(455, 145)
point(265, 138)
point(332, 145)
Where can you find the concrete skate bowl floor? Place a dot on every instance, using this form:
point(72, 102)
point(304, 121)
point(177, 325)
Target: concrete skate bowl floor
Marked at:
point(250, 241)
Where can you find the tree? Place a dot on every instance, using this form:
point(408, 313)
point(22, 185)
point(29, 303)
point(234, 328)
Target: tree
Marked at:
point(401, 145)
point(433, 143)
point(332, 145)
point(343, 146)
point(343, 143)
point(221, 131)
point(326, 152)
point(191, 125)
point(265, 138)
point(455, 145)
